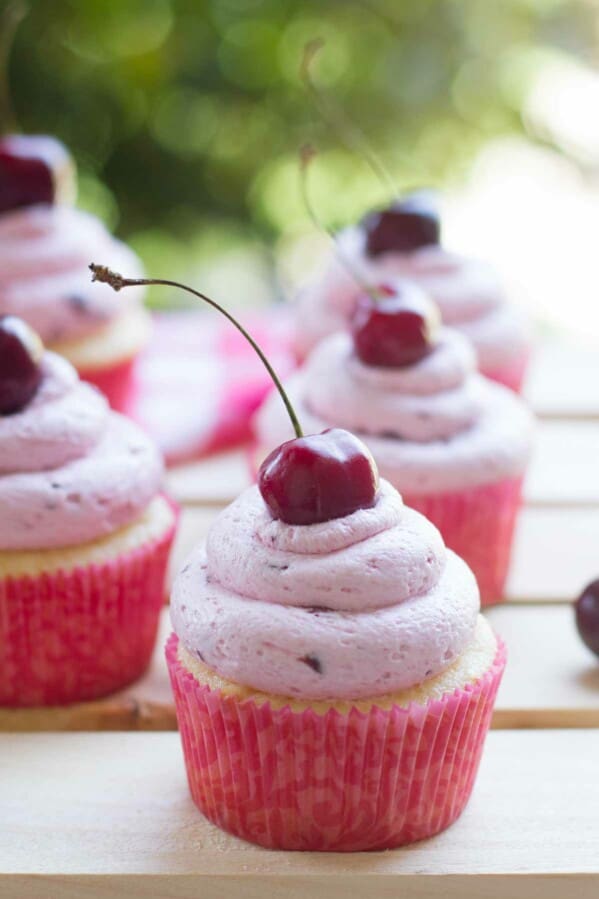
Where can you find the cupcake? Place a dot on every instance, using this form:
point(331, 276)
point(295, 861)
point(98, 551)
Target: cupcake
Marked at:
point(45, 249)
point(333, 678)
point(84, 533)
point(454, 443)
point(404, 241)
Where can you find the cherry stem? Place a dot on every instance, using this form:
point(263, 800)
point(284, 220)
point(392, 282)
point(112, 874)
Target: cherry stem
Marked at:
point(335, 117)
point(106, 276)
point(307, 154)
point(12, 17)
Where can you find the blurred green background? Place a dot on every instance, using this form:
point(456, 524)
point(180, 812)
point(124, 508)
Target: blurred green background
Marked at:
point(185, 117)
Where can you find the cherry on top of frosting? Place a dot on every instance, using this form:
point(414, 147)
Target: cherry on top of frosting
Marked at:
point(307, 480)
point(394, 326)
point(318, 478)
point(21, 353)
point(405, 225)
point(32, 170)
point(587, 616)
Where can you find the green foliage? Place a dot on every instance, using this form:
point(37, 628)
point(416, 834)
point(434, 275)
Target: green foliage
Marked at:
point(185, 116)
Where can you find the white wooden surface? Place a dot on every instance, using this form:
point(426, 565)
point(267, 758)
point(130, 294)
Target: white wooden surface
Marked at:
point(100, 815)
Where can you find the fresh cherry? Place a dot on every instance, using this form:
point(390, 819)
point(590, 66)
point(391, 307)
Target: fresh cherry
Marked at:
point(587, 616)
point(21, 353)
point(406, 225)
point(33, 169)
point(397, 327)
point(318, 478)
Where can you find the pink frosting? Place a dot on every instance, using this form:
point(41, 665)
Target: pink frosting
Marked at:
point(467, 292)
point(345, 609)
point(433, 426)
point(70, 470)
point(45, 252)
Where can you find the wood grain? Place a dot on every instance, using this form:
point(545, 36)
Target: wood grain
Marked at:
point(93, 815)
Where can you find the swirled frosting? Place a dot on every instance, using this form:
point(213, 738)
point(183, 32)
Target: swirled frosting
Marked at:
point(467, 292)
point(71, 471)
point(45, 252)
point(433, 426)
point(349, 608)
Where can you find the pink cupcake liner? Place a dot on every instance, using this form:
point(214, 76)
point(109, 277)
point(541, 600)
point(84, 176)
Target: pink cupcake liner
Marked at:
point(70, 636)
point(511, 374)
point(116, 382)
point(478, 524)
point(333, 782)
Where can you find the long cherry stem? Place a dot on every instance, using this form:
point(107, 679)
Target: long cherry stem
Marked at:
point(117, 282)
point(12, 16)
point(307, 154)
point(335, 117)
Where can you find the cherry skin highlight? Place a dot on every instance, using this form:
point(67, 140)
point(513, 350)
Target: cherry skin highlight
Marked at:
point(587, 616)
point(406, 225)
point(396, 328)
point(32, 170)
point(21, 352)
point(318, 478)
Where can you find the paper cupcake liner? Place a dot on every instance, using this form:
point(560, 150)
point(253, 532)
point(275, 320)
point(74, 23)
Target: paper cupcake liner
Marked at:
point(70, 636)
point(334, 782)
point(478, 524)
point(116, 382)
point(511, 374)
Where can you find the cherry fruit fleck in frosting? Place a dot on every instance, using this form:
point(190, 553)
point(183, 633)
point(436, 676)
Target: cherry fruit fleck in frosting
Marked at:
point(362, 605)
point(71, 471)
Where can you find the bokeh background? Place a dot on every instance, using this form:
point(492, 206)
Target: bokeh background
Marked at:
point(185, 118)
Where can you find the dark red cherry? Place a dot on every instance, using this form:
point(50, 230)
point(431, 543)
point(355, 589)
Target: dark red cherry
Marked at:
point(587, 616)
point(406, 225)
point(21, 353)
point(395, 328)
point(319, 478)
point(34, 169)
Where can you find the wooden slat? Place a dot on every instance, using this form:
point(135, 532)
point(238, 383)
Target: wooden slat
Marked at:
point(109, 814)
point(563, 379)
point(564, 469)
point(551, 679)
point(555, 554)
point(213, 481)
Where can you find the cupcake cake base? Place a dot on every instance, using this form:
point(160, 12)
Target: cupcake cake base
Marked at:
point(80, 623)
point(335, 775)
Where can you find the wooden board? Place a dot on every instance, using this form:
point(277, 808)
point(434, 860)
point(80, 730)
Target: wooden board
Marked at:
point(100, 815)
point(551, 681)
point(562, 382)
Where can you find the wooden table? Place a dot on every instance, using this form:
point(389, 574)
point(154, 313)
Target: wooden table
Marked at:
point(107, 813)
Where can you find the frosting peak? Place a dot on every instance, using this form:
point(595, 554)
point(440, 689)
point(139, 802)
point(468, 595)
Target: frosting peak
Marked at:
point(344, 609)
point(45, 252)
point(71, 471)
point(434, 399)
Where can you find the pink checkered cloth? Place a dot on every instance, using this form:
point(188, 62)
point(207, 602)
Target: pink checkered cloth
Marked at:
point(199, 382)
